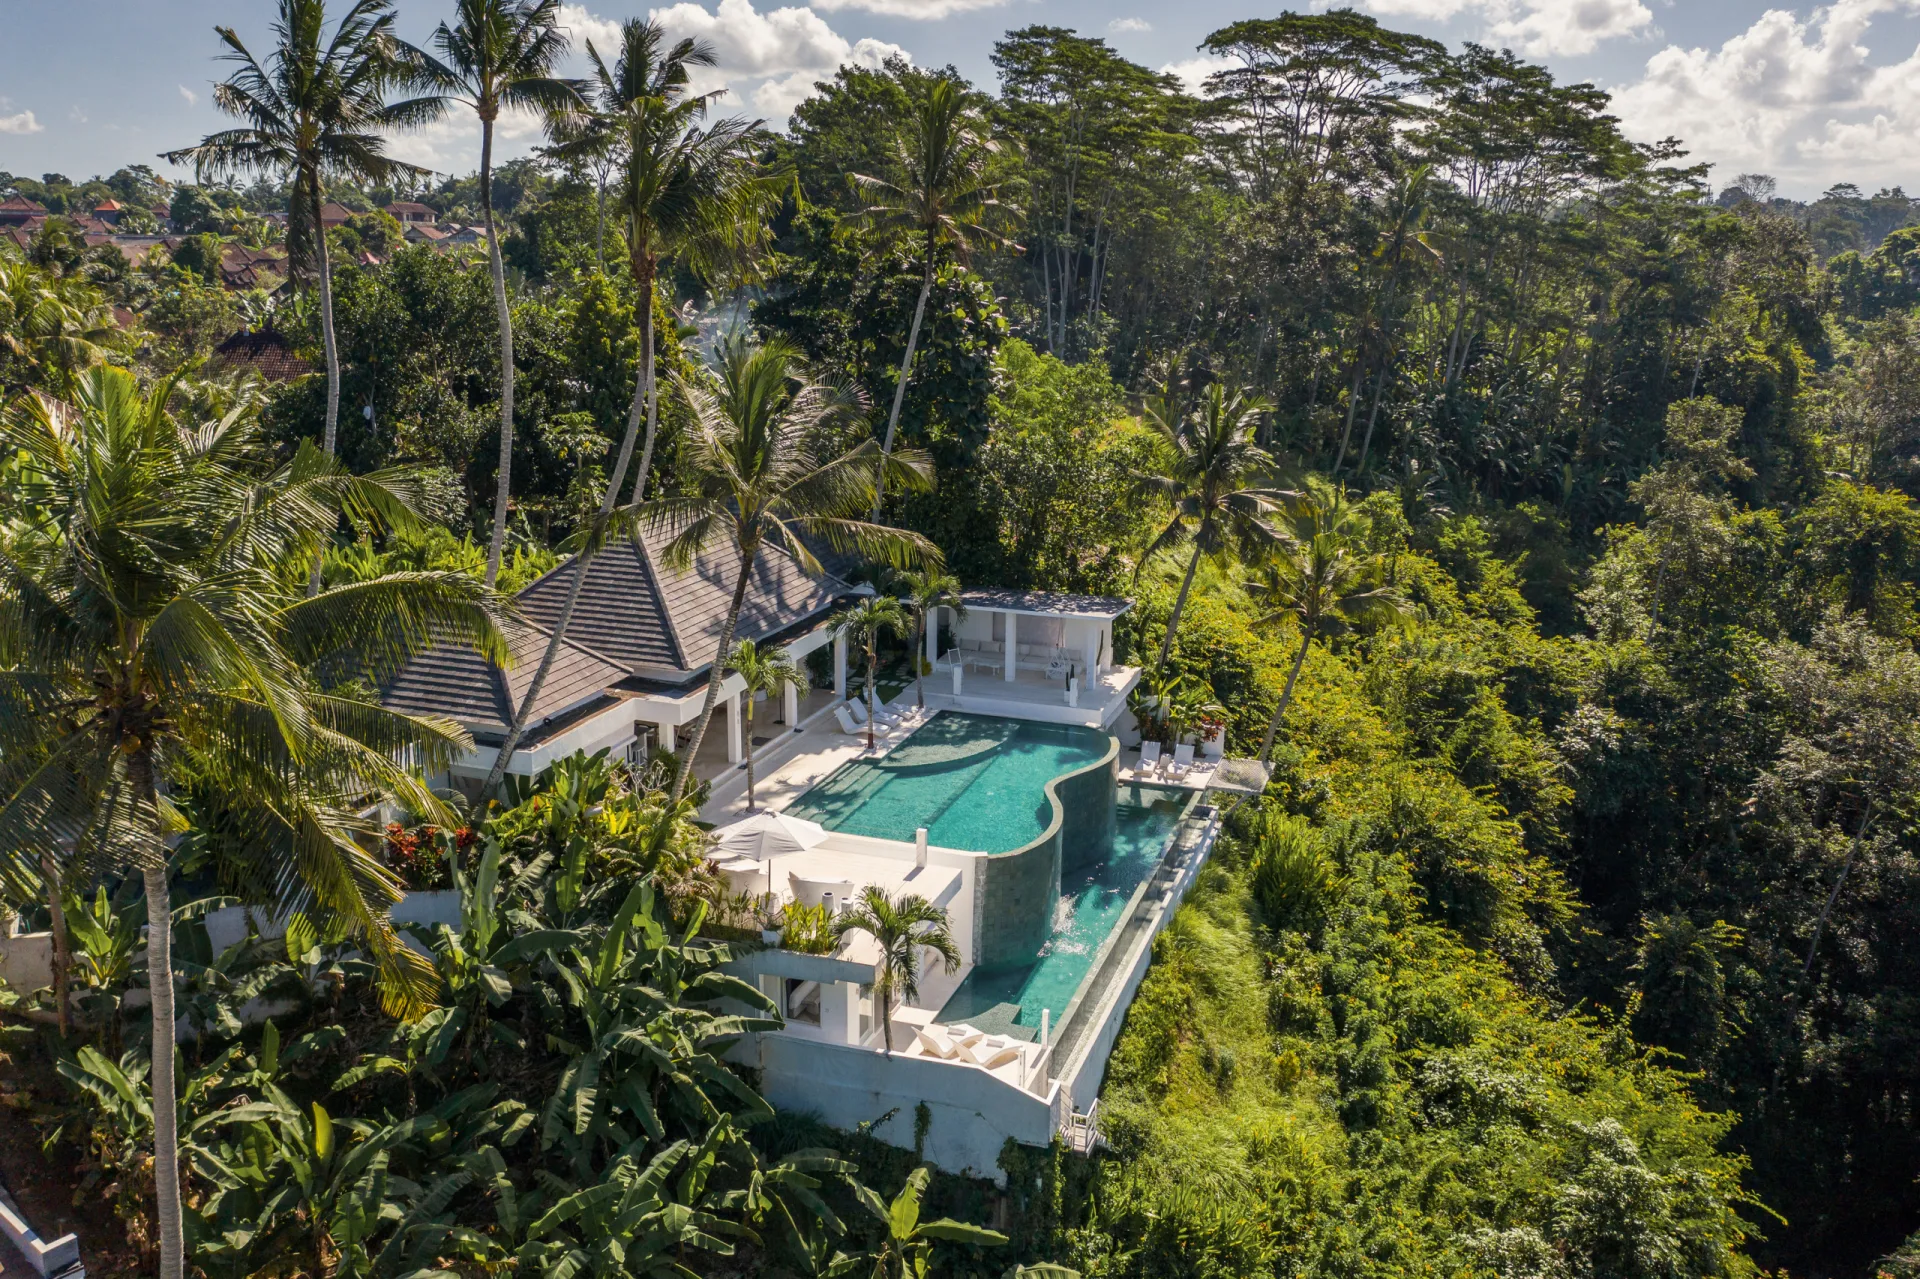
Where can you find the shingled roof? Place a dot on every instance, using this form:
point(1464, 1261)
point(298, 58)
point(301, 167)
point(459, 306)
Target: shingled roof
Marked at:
point(456, 681)
point(636, 611)
point(637, 626)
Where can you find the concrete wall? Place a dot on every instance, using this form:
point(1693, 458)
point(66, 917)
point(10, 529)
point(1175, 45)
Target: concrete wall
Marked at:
point(973, 1112)
point(1017, 891)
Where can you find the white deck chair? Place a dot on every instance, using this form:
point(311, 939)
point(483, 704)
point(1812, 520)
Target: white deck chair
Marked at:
point(1149, 758)
point(852, 729)
point(1182, 759)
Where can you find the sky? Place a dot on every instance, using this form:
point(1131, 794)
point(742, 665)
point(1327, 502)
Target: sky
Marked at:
point(1812, 94)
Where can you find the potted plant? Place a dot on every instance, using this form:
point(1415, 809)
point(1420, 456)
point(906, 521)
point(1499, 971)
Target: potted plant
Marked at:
point(772, 919)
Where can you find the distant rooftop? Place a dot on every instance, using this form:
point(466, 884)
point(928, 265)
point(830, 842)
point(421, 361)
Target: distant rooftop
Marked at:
point(1046, 603)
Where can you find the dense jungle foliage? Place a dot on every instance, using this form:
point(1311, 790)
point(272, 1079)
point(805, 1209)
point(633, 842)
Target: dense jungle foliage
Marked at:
point(1578, 932)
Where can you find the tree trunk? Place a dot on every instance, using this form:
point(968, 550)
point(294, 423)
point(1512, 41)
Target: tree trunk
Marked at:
point(62, 952)
point(870, 664)
point(504, 485)
point(1286, 696)
point(331, 436)
point(1820, 926)
point(166, 1106)
point(1353, 403)
point(883, 1004)
point(1180, 603)
point(919, 657)
point(648, 387)
point(900, 387)
point(717, 676)
point(1373, 415)
point(600, 224)
point(582, 562)
point(747, 718)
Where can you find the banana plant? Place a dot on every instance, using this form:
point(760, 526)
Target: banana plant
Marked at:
point(637, 1221)
point(906, 1252)
point(476, 962)
point(214, 989)
point(644, 1043)
point(105, 936)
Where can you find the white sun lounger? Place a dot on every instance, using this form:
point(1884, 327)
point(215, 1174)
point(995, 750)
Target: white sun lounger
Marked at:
point(851, 729)
point(1182, 759)
point(1149, 758)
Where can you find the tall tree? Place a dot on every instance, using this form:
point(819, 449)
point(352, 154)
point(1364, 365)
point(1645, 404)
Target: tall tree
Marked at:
point(316, 110)
point(925, 594)
point(946, 195)
point(501, 54)
point(699, 196)
point(762, 671)
point(150, 643)
point(1317, 574)
point(903, 926)
point(1207, 469)
point(759, 482)
point(863, 623)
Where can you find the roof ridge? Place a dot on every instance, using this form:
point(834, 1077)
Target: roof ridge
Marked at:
point(660, 599)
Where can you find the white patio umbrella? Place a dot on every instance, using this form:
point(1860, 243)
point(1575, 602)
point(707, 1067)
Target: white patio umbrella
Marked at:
point(765, 836)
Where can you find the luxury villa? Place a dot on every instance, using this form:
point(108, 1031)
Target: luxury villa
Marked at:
point(1008, 799)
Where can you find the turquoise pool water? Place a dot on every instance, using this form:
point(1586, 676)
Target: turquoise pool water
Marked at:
point(974, 781)
point(1092, 901)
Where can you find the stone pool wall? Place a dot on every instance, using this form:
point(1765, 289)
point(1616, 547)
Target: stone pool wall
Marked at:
point(1015, 893)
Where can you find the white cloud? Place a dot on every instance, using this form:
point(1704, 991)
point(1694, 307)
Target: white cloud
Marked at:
point(193, 99)
point(1193, 72)
point(21, 123)
point(1121, 26)
point(1534, 27)
point(925, 9)
point(1795, 97)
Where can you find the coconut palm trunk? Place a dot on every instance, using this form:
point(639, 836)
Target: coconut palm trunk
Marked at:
point(62, 952)
point(1180, 601)
point(331, 434)
point(717, 675)
point(647, 390)
point(1286, 697)
point(503, 487)
point(900, 386)
point(747, 728)
point(166, 1106)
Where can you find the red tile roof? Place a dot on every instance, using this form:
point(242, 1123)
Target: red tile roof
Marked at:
point(266, 352)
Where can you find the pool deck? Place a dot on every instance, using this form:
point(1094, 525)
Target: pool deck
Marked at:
point(794, 762)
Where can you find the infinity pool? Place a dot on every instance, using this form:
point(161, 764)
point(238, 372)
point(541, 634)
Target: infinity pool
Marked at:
point(1092, 903)
point(974, 781)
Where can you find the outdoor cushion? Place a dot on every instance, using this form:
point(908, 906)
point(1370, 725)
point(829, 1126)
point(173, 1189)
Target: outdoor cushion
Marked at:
point(812, 892)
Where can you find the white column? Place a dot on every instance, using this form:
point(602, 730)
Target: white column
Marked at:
point(790, 706)
point(840, 1012)
point(1090, 673)
point(933, 636)
point(734, 753)
point(1013, 646)
point(840, 665)
point(666, 734)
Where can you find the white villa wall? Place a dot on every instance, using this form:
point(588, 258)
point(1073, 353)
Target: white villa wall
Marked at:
point(973, 1113)
point(960, 913)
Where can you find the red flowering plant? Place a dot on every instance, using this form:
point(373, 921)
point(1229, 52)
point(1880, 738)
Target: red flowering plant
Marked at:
point(419, 856)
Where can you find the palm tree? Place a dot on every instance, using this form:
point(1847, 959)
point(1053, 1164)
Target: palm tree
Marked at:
point(902, 926)
point(926, 593)
point(1207, 470)
point(502, 54)
point(315, 109)
point(591, 138)
point(758, 480)
point(698, 196)
point(695, 194)
point(945, 196)
point(51, 327)
point(152, 646)
point(1318, 575)
point(863, 624)
point(761, 670)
